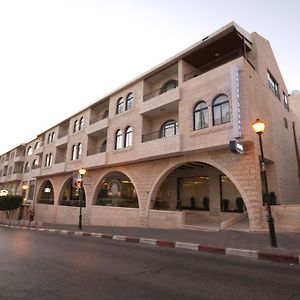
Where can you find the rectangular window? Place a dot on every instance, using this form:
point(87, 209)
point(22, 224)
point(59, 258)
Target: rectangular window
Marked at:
point(273, 85)
point(31, 189)
point(285, 101)
point(286, 125)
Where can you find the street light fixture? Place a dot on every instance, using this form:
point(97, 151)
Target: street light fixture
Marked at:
point(82, 173)
point(259, 127)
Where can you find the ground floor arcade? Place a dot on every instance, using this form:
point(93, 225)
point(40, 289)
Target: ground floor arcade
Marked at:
point(167, 192)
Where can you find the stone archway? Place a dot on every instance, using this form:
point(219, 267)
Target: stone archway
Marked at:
point(116, 189)
point(70, 196)
point(254, 211)
point(45, 194)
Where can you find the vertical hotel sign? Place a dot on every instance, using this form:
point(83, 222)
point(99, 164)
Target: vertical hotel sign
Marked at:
point(236, 107)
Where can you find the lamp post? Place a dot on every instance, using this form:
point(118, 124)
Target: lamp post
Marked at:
point(82, 172)
point(259, 127)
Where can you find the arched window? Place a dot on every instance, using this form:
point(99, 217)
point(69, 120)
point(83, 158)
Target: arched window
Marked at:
point(119, 139)
point(169, 128)
point(35, 164)
point(70, 195)
point(46, 160)
point(81, 123)
point(79, 150)
point(74, 151)
point(50, 159)
point(128, 137)
point(76, 126)
point(37, 145)
point(120, 105)
point(116, 189)
point(29, 150)
point(221, 111)
point(46, 193)
point(200, 116)
point(129, 101)
point(49, 138)
point(26, 168)
point(169, 85)
point(52, 137)
point(103, 146)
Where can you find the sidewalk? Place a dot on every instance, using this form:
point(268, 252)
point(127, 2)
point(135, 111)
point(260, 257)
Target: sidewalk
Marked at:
point(223, 242)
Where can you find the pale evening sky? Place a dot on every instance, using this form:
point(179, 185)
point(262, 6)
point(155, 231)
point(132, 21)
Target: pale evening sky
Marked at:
point(59, 56)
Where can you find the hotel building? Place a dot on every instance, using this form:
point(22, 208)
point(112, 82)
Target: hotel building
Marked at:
point(156, 150)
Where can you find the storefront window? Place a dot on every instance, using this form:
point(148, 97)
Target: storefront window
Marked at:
point(231, 200)
point(193, 193)
point(116, 189)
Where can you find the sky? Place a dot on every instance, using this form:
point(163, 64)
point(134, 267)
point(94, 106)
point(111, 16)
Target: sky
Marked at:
point(59, 56)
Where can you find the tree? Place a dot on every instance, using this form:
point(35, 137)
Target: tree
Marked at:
point(9, 203)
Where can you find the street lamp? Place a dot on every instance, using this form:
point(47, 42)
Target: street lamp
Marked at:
point(81, 172)
point(259, 127)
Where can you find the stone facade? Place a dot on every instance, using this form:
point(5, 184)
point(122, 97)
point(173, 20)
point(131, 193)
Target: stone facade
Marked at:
point(230, 62)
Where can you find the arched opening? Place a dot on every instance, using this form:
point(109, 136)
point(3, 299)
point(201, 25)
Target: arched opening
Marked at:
point(203, 193)
point(70, 195)
point(46, 193)
point(116, 189)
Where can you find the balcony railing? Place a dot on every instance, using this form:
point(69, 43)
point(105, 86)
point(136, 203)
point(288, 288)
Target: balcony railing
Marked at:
point(164, 133)
point(215, 63)
point(158, 92)
point(95, 151)
point(99, 118)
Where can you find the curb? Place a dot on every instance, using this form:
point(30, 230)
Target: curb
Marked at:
point(253, 254)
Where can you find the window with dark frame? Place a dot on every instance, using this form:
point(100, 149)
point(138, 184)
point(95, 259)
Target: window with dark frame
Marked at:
point(273, 85)
point(118, 139)
point(200, 115)
point(169, 128)
point(120, 105)
point(286, 101)
point(221, 111)
point(128, 137)
point(286, 125)
point(129, 101)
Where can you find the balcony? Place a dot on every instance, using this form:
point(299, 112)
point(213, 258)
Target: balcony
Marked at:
point(16, 176)
point(97, 125)
point(95, 159)
point(62, 141)
point(156, 146)
point(39, 150)
point(19, 159)
point(214, 64)
point(167, 101)
point(54, 169)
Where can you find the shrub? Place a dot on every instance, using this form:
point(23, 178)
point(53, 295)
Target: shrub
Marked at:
point(9, 203)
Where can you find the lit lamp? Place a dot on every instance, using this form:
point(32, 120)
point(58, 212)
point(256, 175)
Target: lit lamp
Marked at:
point(82, 173)
point(259, 127)
point(24, 188)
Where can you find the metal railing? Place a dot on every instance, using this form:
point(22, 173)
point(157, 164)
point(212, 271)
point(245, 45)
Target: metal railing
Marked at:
point(103, 116)
point(213, 64)
point(160, 134)
point(157, 92)
point(95, 151)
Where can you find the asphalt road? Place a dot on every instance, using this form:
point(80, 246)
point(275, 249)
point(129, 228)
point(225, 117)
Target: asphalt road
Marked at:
point(35, 265)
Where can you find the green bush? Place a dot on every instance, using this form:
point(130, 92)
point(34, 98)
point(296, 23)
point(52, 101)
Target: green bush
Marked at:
point(9, 203)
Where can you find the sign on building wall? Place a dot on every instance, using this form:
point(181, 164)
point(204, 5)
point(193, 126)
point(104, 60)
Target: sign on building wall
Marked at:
point(236, 106)
point(3, 192)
